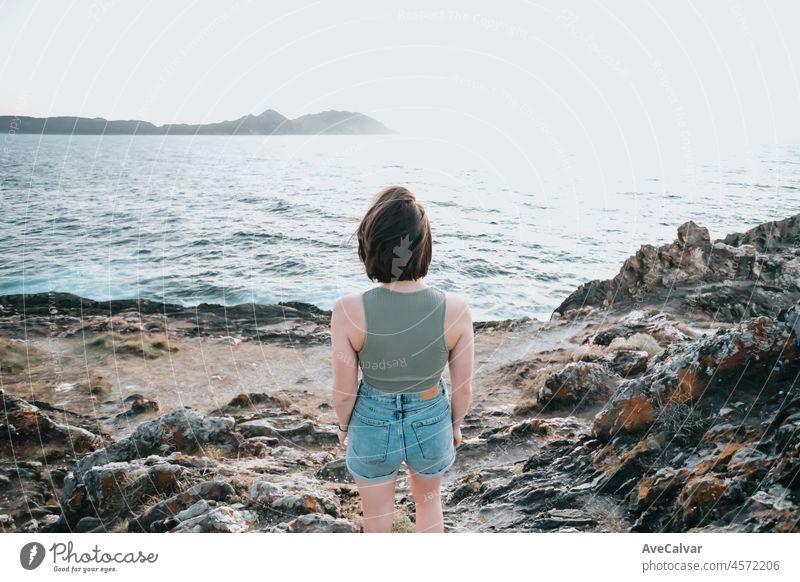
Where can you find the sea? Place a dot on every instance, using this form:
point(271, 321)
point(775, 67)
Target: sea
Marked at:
point(229, 220)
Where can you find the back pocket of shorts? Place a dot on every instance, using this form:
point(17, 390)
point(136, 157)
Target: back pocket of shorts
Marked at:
point(369, 438)
point(435, 435)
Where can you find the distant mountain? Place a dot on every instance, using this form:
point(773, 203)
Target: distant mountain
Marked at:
point(268, 123)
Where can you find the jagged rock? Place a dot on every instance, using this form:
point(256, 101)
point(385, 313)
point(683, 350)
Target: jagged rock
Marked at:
point(557, 518)
point(629, 410)
point(306, 502)
point(470, 485)
point(179, 430)
point(207, 517)
point(748, 274)
point(26, 426)
point(87, 524)
point(316, 523)
point(112, 487)
point(335, 471)
point(207, 490)
point(577, 383)
point(685, 372)
point(114, 479)
point(699, 498)
point(627, 362)
point(306, 431)
point(139, 405)
point(516, 431)
point(250, 399)
point(293, 499)
point(65, 315)
point(768, 236)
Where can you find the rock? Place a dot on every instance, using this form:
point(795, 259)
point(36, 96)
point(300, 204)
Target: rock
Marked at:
point(306, 502)
point(251, 399)
point(699, 497)
point(516, 431)
point(604, 336)
point(88, 523)
point(577, 383)
point(27, 426)
point(114, 480)
point(265, 493)
point(777, 498)
point(628, 411)
point(335, 471)
point(753, 276)
point(557, 518)
point(628, 363)
point(468, 486)
point(687, 371)
point(203, 517)
point(6, 523)
point(139, 405)
point(317, 523)
point(500, 325)
point(768, 236)
point(179, 430)
point(163, 510)
point(113, 487)
point(306, 431)
point(293, 499)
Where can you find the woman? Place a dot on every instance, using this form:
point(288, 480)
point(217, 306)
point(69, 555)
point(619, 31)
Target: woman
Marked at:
point(400, 334)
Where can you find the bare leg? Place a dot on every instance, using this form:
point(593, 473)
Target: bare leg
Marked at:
point(377, 505)
point(428, 502)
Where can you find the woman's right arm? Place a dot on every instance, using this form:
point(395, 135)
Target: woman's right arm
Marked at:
point(345, 361)
point(461, 363)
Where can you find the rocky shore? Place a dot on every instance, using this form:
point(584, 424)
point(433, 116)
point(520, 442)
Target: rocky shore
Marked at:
point(664, 399)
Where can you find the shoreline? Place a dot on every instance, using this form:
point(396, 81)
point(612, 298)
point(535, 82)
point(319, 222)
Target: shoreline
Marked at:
point(63, 302)
point(654, 273)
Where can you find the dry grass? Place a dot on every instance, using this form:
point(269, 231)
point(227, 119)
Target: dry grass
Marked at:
point(588, 353)
point(402, 522)
point(608, 515)
point(530, 381)
point(643, 342)
point(139, 344)
point(16, 355)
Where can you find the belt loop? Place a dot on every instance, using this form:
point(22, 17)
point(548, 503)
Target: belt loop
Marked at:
point(399, 401)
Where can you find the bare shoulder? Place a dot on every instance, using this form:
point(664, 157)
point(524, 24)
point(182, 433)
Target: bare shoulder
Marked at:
point(348, 317)
point(348, 302)
point(458, 320)
point(348, 309)
point(457, 306)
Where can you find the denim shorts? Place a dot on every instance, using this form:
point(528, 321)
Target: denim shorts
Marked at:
point(386, 429)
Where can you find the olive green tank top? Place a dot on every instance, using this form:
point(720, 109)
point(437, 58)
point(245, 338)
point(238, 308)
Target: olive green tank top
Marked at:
point(404, 348)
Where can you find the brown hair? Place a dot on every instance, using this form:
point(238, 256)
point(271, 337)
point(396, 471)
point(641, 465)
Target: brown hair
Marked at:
point(394, 237)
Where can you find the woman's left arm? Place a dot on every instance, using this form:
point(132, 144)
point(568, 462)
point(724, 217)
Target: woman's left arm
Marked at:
point(345, 363)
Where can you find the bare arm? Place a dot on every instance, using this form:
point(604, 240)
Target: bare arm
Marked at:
point(345, 363)
point(461, 362)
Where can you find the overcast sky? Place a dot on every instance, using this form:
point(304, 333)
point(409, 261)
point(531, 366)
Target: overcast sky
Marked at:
point(595, 76)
